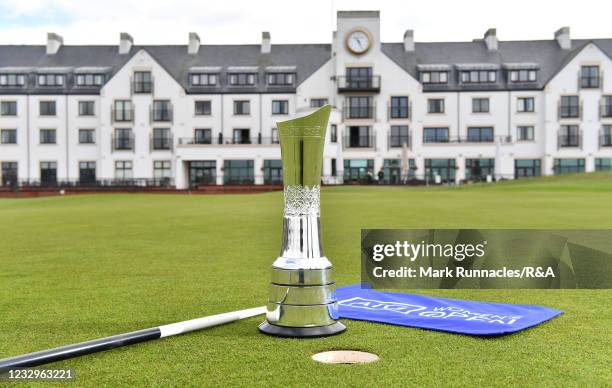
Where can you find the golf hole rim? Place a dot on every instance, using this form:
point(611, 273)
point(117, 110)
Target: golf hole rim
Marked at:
point(345, 356)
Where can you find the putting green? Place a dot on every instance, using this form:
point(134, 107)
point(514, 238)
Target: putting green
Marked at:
point(81, 267)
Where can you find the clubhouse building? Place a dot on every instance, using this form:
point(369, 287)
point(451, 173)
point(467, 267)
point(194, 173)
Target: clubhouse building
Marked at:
point(192, 115)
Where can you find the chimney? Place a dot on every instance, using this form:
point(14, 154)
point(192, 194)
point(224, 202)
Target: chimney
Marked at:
point(490, 39)
point(125, 43)
point(266, 46)
point(194, 43)
point(54, 42)
point(562, 36)
point(409, 41)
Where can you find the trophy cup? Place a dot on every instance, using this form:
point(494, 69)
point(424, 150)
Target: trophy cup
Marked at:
point(301, 300)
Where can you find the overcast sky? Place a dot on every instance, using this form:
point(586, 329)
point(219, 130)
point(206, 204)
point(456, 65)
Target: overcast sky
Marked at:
point(241, 21)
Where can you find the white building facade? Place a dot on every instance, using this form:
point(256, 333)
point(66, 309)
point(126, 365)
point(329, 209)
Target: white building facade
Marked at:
point(191, 115)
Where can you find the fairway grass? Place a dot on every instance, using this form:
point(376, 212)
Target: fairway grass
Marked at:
point(80, 267)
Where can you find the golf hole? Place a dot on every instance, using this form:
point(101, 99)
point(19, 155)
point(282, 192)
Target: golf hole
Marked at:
point(345, 357)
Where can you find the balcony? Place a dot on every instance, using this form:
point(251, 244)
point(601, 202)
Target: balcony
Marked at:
point(605, 140)
point(359, 112)
point(122, 143)
point(122, 115)
point(164, 143)
point(565, 140)
point(468, 140)
point(364, 141)
point(220, 141)
point(359, 84)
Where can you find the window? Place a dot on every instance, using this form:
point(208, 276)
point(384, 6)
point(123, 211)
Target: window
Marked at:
point(48, 173)
point(589, 77)
point(606, 107)
point(87, 136)
point(8, 136)
point(478, 169)
point(162, 169)
point(602, 164)
point(527, 168)
point(359, 136)
point(87, 172)
point(435, 135)
point(399, 135)
point(47, 136)
point(478, 76)
point(47, 108)
point(143, 82)
point(434, 77)
point(9, 173)
point(334, 167)
point(203, 136)
point(280, 79)
point(359, 78)
point(440, 169)
point(525, 133)
point(480, 134)
point(569, 136)
point(238, 172)
point(525, 104)
point(202, 172)
point(359, 170)
point(359, 108)
point(480, 105)
point(161, 139)
point(86, 108)
point(318, 102)
point(8, 108)
point(242, 136)
point(605, 139)
point(280, 107)
point(123, 111)
point(203, 108)
point(393, 174)
point(275, 138)
point(203, 79)
point(523, 75)
point(570, 107)
point(123, 170)
point(242, 79)
point(333, 133)
point(50, 80)
point(273, 172)
point(567, 166)
point(435, 105)
point(399, 107)
point(242, 107)
point(89, 79)
point(12, 79)
point(123, 140)
point(162, 110)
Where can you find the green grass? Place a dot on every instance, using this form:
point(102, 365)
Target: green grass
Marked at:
point(80, 267)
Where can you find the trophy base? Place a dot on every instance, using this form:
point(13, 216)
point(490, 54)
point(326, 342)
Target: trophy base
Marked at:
point(302, 332)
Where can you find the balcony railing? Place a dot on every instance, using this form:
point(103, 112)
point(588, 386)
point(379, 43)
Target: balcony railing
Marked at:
point(365, 141)
point(586, 82)
point(565, 140)
point(605, 140)
point(122, 115)
point(468, 139)
point(399, 113)
point(142, 87)
point(359, 84)
point(102, 183)
point(359, 112)
point(605, 110)
point(163, 143)
point(398, 141)
point(570, 111)
point(228, 141)
point(164, 115)
point(122, 143)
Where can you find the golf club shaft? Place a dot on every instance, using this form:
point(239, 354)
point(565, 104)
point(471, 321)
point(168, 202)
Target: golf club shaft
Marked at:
point(115, 341)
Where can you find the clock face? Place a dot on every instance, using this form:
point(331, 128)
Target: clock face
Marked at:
point(358, 41)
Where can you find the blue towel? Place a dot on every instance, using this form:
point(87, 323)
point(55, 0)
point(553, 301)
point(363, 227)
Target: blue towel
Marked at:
point(450, 315)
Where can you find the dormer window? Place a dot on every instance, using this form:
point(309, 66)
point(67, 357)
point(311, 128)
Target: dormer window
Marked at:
point(281, 79)
point(89, 79)
point(478, 76)
point(242, 79)
point(434, 77)
point(50, 80)
point(523, 75)
point(203, 79)
point(12, 80)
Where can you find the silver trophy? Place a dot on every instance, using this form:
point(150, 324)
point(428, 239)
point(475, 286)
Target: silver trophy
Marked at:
point(301, 300)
